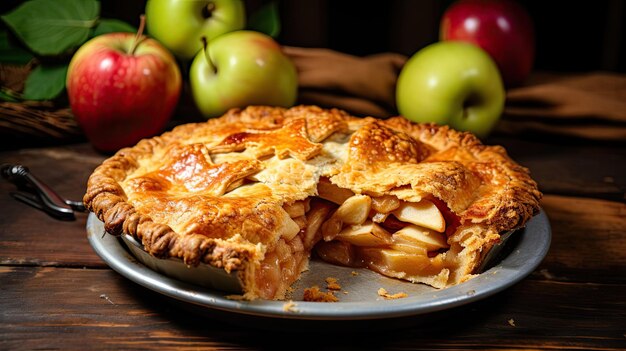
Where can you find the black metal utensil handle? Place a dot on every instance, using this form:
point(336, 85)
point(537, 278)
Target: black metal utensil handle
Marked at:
point(50, 201)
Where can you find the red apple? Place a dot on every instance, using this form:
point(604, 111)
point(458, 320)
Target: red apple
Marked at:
point(503, 28)
point(122, 87)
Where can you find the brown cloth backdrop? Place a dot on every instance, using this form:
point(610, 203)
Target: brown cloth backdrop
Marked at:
point(589, 106)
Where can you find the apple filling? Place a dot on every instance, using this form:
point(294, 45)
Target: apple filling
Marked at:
point(284, 262)
point(395, 238)
point(281, 267)
point(398, 239)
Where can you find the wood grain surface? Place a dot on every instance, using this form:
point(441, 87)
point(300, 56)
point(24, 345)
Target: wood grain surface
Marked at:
point(56, 293)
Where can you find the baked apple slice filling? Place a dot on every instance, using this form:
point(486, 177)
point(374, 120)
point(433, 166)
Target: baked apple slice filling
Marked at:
point(396, 238)
point(399, 239)
point(289, 257)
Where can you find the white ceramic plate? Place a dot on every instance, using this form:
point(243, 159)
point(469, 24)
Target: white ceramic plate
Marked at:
point(358, 298)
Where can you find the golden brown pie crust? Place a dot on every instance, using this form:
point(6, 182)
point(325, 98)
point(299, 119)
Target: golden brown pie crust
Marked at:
point(218, 192)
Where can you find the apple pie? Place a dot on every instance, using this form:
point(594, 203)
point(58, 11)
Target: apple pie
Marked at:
point(261, 189)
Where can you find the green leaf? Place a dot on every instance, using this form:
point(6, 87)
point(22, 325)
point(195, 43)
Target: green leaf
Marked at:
point(106, 25)
point(11, 53)
point(52, 27)
point(45, 82)
point(266, 19)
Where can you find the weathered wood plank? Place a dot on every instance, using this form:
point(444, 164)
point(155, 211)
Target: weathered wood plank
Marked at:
point(575, 168)
point(52, 308)
point(588, 240)
point(31, 237)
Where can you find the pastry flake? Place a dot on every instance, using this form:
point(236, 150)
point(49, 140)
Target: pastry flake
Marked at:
point(258, 189)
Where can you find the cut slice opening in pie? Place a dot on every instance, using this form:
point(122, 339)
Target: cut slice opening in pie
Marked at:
point(259, 190)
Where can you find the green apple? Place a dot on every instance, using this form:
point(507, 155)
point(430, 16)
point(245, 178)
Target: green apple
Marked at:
point(452, 83)
point(239, 69)
point(180, 24)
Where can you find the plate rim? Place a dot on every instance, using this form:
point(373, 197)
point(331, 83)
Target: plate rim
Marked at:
point(517, 265)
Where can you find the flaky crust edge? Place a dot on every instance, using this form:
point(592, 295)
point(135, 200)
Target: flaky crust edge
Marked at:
point(509, 208)
point(107, 200)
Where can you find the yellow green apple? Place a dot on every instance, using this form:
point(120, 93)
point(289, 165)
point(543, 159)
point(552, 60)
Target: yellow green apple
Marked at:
point(180, 24)
point(242, 68)
point(453, 83)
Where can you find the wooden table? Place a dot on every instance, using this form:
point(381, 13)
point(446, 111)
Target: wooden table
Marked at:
point(56, 293)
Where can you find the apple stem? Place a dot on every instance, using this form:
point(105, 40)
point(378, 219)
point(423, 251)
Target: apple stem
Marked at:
point(205, 43)
point(207, 11)
point(139, 36)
